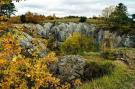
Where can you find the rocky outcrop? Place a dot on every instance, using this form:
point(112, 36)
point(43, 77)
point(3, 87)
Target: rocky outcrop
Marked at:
point(31, 46)
point(29, 34)
point(62, 31)
point(69, 67)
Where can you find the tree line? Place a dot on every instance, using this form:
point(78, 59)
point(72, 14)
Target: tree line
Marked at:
point(113, 15)
point(117, 18)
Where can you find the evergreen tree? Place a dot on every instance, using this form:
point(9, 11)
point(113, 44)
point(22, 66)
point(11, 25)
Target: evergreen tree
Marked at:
point(133, 16)
point(119, 16)
point(83, 19)
point(7, 9)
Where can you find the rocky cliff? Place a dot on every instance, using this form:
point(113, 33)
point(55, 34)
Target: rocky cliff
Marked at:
point(63, 30)
point(32, 36)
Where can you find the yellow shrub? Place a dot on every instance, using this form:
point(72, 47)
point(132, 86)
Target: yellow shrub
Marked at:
point(77, 43)
point(20, 72)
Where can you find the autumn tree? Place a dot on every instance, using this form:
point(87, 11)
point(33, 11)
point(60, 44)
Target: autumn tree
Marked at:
point(30, 17)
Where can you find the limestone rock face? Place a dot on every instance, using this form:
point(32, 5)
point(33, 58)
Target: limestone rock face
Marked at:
point(31, 45)
point(27, 33)
point(129, 40)
point(70, 67)
point(62, 31)
point(115, 40)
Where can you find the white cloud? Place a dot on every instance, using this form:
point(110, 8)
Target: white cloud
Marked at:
point(70, 7)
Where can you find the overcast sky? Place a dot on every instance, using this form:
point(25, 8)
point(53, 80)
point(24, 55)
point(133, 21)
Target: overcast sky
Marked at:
point(70, 7)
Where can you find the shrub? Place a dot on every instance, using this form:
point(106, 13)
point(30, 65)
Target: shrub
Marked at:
point(82, 19)
point(3, 18)
point(30, 17)
point(20, 72)
point(77, 43)
point(50, 18)
point(94, 70)
point(113, 54)
point(25, 73)
point(15, 19)
point(23, 18)
point(4, 26)
point(108, 54)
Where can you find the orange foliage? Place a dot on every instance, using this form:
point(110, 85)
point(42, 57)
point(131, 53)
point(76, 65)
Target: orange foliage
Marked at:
point(34, 17)
point(15, 19)
point(5, 25)
point(10, 46)
point(26, 73)
point(51, 56)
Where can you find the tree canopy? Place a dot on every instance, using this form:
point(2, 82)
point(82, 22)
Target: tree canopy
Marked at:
point(108, 11)
point(7, 9)
point(133, 16)
point(119, 16)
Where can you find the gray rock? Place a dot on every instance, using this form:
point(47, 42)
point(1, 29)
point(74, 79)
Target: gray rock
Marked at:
point(26, 41)
point(128, 40)
point(63, 30)
point(31, 46)
point(70, 67)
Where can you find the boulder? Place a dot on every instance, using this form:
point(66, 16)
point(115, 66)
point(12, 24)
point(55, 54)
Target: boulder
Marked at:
point(69, 67)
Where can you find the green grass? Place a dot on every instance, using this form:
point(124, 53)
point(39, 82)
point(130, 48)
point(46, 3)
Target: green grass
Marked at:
point(100, 23)
point(64, 20)
point(121, 78)
point(76, 20)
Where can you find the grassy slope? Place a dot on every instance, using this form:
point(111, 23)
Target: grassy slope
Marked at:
point(121, 78)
